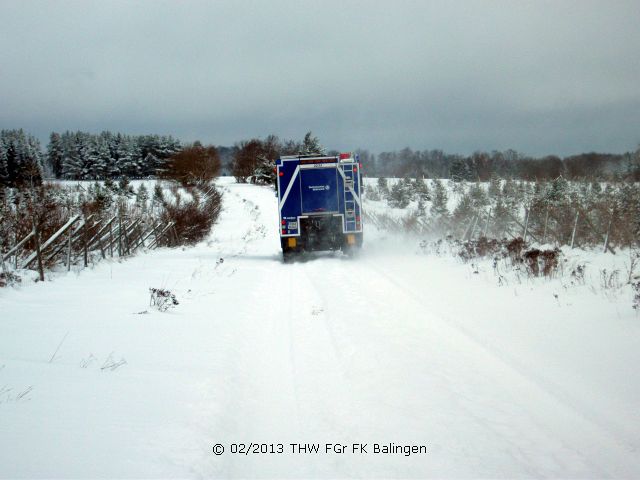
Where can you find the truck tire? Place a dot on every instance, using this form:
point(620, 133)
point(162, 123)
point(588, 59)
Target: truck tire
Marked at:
point(288, 256)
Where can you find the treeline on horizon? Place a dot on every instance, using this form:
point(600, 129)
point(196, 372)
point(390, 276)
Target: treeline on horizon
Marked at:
point(483, 166)
point(86, 156)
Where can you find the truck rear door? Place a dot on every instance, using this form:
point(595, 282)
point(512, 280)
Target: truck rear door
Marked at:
point(319, 188)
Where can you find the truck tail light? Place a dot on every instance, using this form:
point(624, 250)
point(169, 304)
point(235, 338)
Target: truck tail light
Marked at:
point(284, 221)
point(281, 173)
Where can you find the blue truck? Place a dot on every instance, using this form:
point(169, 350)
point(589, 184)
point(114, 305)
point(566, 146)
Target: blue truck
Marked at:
point(319, 201)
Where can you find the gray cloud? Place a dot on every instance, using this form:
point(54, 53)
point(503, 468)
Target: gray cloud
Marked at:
point(541, 77)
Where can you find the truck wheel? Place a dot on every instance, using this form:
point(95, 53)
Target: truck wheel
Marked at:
point(351, 250)
point(288, 256)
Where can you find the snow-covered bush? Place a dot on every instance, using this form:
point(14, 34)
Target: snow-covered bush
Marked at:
point(162, 299)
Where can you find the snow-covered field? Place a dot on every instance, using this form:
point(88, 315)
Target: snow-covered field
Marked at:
point(530, 379)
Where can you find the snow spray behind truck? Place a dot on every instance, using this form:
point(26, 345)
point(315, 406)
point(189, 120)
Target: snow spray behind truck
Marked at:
point(319, 203)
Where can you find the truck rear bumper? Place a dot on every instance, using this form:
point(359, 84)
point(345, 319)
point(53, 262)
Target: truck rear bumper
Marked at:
point(322, 232)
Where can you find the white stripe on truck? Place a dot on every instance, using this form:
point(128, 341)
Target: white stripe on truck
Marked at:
point(288, 190)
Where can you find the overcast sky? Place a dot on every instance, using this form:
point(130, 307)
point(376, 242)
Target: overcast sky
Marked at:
point(539, 76)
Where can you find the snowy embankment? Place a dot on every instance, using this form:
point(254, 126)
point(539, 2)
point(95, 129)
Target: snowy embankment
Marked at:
point(525, 380)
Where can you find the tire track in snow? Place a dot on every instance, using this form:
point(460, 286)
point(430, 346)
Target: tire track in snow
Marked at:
point(544, 386)
point(350, 274)
point(324, 387)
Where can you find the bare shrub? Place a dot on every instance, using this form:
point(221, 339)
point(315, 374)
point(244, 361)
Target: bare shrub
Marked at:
point(162, 299)
point(482, 247)
point(610, 280)
point(192, 220)
point(542, 262)
point(577, 274)
point(515, 248)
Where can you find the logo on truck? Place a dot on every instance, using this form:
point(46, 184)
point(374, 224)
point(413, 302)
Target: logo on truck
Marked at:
point(319, 188)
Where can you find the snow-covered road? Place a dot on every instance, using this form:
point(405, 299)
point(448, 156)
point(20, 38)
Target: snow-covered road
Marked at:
point(391, 347)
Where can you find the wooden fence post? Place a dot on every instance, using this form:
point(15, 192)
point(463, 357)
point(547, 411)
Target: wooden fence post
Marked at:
point(100, 243)
point(120, 235)
point(473, 229)
point(2, 257)
point(175, 235)
point(546, 220)
point(606, 238)
point(15, 257)
point(126, 245)
point(69, 251)
point(575, 226)
point(36, 238)
point(84, 244)
point(486, 225)
point(526, 225)
point(110, 240)
point(464, 236)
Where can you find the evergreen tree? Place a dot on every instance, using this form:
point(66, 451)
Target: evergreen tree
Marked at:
point(124, 187)
point(102, 158)
point(421, 190)
point(383, 187)
point(4, 164)
point(407, 185)
point(494, 189)
point(478, 196)
point(158, 194)
point(152, 165)
point(502, 219)
point(142, 195)
point(71, 161)
point(264, 173)
point(464, 211)
point(110, 185)
point(421, 210)
point(55, 154)
point(558, 191)
point(125, 161)
point(509, 192)
point(137, 163)
point(398, 195)
point(439, 209)
point(20, 160)
point(311, 145)
point(459, 170)
point(82, 149)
